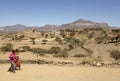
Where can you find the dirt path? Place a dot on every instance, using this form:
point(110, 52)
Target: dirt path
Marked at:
point(34, 72)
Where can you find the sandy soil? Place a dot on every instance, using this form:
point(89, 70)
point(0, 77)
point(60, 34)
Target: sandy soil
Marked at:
point(34, 72)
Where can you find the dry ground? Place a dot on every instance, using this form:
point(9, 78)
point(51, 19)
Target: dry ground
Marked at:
point(34, 72)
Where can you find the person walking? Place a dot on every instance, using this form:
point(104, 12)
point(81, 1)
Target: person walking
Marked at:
point(12, 58)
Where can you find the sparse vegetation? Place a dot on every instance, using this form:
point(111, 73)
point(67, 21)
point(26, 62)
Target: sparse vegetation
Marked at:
point(38, 51)
point(24, 48)
point(68, 39)
point(71, 47)
point(61, 54)
point(115, 54)
point(32, 40)
point(58, 39)
point(8, 47)
point(55, 50)
point(73, 42)
point(80, 55)
point(44, 41)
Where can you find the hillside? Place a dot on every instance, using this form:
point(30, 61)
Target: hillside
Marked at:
point(78, 46)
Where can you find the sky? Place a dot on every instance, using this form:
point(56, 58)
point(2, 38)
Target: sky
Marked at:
point(57, 12)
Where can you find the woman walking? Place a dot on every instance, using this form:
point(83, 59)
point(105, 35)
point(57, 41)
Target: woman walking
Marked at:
point(12, 58)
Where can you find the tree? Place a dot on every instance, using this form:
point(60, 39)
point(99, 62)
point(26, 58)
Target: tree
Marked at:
point(58, 40)
point(32, 40)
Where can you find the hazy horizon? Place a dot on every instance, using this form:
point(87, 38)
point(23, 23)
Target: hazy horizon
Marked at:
point(55, 24)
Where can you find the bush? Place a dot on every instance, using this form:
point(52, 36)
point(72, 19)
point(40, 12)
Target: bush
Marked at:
point(25, 48)
point(73, 41)
point(44, 40)
point(39, 51)
point(115, 54)
point(71, 47)
point(80, 55)
point(7, 47)
point(58, 40)
point(61, 54)
point(43, 43)
point(55, 50)
point(86, 61)
point(32, 40)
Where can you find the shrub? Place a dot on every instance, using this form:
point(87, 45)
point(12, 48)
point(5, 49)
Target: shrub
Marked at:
point(58, 40)
point(44, 40)
point(55, 50)
point(61, 54)
point(73, 41)
point(24, 48)
point(115, 54)
point(38, 51)
point(80, 55)
point(32, 40)
point(7, 47)
point(86, 61)
point(43, 43)
point(116, 30)
point(71, 47)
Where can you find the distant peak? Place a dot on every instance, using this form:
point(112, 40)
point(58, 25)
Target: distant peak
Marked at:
point(19, 25)
point(83, 21)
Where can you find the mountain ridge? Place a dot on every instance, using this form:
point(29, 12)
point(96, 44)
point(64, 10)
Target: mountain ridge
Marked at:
point(80, 23)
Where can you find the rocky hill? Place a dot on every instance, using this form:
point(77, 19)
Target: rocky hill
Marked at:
point(80, 23)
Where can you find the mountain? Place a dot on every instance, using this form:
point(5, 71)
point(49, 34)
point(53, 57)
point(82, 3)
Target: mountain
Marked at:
point(17, 27)
point(49, 27)
point(80, 23)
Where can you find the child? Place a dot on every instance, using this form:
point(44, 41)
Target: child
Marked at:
point(17, 62)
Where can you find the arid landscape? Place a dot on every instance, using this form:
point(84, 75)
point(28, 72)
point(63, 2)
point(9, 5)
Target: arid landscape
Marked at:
point(59, 40)
point(70, 53)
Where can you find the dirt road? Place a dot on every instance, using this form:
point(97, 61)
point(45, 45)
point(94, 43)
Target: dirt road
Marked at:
point(34, 72)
